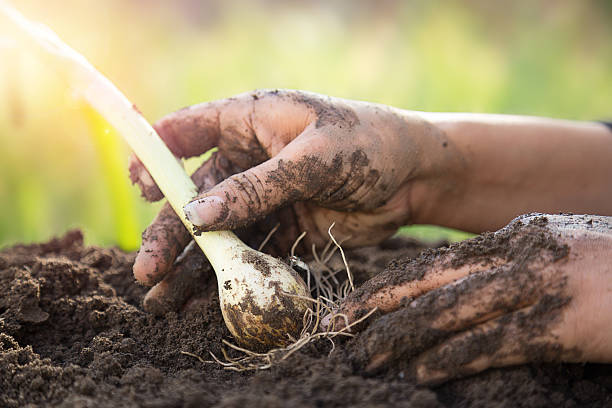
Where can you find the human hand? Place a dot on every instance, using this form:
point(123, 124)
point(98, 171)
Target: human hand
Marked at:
point(319, 159)
point(538, 290)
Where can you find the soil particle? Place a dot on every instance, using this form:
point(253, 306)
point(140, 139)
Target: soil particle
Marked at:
point(327, 112)
point(258, 261)
point(260, 329)
point(97, 347)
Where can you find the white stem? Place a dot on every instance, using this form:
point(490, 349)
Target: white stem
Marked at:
point(103, 95)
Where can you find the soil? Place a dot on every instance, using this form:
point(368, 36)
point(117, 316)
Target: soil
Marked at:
point(73, 334)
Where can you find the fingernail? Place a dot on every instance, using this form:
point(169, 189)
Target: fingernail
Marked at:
point(421, 373)
point(427, 376)
point(333, 320)
point(145, 178)
point(205, 211)
point(325, 321)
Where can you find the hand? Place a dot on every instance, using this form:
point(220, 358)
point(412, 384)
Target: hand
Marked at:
point(538, 290)
point(319, 159)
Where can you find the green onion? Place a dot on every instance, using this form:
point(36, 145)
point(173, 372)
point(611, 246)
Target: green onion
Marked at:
point(262, 299)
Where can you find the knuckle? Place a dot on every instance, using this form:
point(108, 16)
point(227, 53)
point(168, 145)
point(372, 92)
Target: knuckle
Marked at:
point(213, 171)
point(261, 93)
point(162, 126)
point(165, 128)
point(248, 188)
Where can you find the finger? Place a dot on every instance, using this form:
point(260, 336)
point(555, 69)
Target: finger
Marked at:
point(246, 197)
point(483, 296)
point(527, 335)
point(194, 130)
point(402, 281)
point(161, 243)
point(190, 277)
point(140, 176)
point(457, 306)
point(167, 236)
point(188, 132)
point(429, 271)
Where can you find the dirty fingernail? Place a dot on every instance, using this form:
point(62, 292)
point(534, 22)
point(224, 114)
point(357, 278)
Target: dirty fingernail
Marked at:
point(421, 374)
point(204, 211)
point(325, 321)
point(333, 321)
point(429, 376)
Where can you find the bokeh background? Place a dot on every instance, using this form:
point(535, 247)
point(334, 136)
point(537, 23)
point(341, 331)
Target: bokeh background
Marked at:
point(61, 167)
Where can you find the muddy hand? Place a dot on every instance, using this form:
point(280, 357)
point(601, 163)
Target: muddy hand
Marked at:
point(319, 159)
point(188, 278)
point(537, 290)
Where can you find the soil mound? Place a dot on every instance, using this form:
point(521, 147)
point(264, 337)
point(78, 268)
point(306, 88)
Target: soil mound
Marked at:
point(73, 334)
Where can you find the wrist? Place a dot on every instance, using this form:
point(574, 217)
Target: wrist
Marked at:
point(512, 165)
point(434, 186)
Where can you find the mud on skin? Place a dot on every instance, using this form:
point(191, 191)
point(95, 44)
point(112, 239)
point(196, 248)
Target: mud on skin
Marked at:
point(341, 182)
point(400, 336)
point(329, 182)
point(332, 185)
point(516, 241)
point(328, 113)
point(240, 143)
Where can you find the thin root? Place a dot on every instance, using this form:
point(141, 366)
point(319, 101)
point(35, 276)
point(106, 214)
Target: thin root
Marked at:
point(267, 238)
point(196, 356)
point(329, 293)
point(297, 241)
point(348, 271)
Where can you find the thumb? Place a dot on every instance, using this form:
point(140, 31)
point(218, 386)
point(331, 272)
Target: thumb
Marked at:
point(249, 196)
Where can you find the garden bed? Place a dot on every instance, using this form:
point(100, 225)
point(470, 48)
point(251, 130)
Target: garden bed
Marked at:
point(73, 333)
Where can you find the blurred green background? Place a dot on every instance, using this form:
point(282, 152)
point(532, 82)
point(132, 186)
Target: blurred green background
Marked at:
point(60, 167)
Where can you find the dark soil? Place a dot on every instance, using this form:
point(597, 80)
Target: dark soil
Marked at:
point(73, 334)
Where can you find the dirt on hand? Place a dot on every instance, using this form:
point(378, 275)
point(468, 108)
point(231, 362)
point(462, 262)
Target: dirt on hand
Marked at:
point(73, 334)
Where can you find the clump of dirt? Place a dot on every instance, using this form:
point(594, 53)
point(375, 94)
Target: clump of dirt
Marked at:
point(73, 334)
